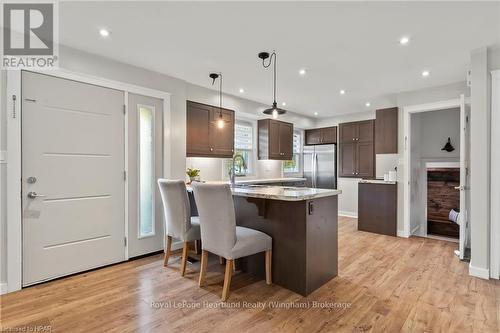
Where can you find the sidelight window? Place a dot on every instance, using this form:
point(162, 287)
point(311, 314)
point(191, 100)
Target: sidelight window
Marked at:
point(146, 171)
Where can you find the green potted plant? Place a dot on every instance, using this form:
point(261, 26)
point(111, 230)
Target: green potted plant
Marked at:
point(193, 174)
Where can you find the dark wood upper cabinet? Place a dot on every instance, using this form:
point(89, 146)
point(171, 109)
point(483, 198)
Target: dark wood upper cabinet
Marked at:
point(321, 136)
point(203, 137)
point(313, 136)
point(365, 160)
point(366, 131)
point(347, 159)
point(329, 135)
point(386, 131)
point(275, 140)
point(356, 149)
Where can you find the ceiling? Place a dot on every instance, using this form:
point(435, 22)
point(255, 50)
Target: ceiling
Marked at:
point(352, 46)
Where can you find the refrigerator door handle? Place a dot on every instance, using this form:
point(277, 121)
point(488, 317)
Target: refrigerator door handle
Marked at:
point(315, 170)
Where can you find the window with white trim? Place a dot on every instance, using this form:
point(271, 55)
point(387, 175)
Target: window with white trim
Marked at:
point(243, 146)
point(294, 165)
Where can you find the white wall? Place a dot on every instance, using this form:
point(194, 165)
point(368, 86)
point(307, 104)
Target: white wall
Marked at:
point(437, 127)
point(483, 60)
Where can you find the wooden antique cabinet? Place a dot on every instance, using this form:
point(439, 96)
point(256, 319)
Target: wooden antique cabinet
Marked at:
point(203, 137)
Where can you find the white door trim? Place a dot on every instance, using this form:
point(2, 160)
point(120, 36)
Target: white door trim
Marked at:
point(14, 207)
point(407, 112)
point(495, 178)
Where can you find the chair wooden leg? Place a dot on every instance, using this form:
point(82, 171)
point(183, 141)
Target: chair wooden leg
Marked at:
point(168, 246)
point(203, 267)
point(269, 260)
point(185, 250)
point(227, 279)
point(197, 248)
point(222, 260)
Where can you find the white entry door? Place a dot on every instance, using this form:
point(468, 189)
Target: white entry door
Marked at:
point(145, 147)
point(73, 186)
point(464, 233)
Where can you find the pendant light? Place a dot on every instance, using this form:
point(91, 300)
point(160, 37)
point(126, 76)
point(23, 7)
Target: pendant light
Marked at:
point(274, 110)
point(220, 121)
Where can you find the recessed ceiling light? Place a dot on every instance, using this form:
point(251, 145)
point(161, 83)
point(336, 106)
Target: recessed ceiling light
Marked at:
point(284, 104)
point(242, 90)
point(404, 40)
point(104, 32)
point(425, 73)
point(302, 71)
point(342, 92)
point(315, 113)
point(367, 104)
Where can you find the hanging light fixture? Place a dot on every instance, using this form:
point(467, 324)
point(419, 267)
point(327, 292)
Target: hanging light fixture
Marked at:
point(274, 110)
point(220, 121)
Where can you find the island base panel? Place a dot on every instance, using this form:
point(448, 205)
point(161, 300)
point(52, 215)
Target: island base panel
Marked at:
point(305, 245)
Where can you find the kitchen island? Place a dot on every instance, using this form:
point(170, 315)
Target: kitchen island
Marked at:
point(303, 224)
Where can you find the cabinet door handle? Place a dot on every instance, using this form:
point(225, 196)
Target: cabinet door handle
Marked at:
point(211, 149)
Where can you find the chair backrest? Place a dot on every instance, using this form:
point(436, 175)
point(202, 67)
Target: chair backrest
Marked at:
point(175, 207)
point(217, 218)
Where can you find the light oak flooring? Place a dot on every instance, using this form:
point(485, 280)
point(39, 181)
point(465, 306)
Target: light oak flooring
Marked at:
point(392, 285)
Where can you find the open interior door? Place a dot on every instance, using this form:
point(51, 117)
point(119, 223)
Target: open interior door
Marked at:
point(464, 241)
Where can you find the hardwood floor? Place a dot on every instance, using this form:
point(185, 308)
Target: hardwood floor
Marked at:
point(385, 284)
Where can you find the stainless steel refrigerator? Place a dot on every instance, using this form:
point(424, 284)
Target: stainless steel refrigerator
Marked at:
point(320, 166)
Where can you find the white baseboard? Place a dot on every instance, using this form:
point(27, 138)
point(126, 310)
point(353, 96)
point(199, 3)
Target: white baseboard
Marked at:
point(348, 214)
point(3, 288)
point(479, 272)
point(401, 233)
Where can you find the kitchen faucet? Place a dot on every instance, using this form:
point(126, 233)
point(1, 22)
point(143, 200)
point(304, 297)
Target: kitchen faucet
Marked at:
point(232, 172)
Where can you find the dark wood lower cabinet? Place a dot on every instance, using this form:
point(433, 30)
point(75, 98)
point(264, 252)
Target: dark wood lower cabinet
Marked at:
point(377, 208)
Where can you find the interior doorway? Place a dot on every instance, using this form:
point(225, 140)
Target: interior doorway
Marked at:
point(436, 180)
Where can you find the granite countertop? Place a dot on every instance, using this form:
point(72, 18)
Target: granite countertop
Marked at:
point(284, 193)
point(377, 181)
point(270, 180)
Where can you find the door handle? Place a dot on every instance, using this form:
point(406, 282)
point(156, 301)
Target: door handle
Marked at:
point(460, 188)
point(34, 195)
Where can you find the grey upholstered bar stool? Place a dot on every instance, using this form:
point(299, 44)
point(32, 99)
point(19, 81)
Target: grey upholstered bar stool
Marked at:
point(221, 236)
point(178, 221)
